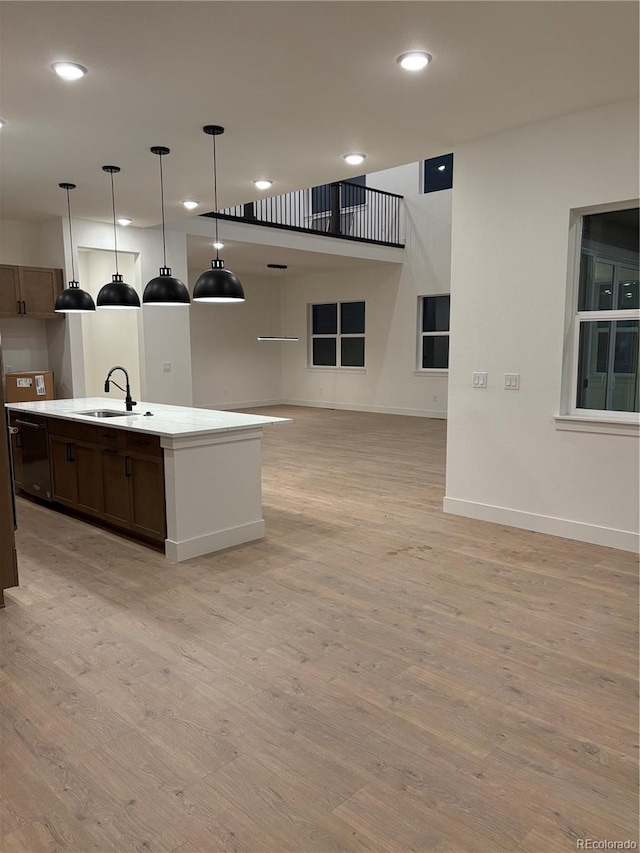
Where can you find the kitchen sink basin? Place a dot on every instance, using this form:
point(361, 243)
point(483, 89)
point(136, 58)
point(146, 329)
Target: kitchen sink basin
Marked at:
point(106, 413)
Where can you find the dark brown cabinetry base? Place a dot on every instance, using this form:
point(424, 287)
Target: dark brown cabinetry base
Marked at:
point(114, 476)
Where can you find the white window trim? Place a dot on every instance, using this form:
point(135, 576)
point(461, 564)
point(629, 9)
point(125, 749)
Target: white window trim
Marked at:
point(571, 416)
point(428, 371)
point(338, 336)
point(605, 426)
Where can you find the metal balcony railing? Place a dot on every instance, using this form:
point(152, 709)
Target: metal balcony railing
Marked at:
point(345, 209)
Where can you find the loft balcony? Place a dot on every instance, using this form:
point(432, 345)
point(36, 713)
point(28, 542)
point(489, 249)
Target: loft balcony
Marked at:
point(348, 210)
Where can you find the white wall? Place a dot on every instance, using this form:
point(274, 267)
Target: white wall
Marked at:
point(390, 382)
point(110, 337)
point(404, 180)
point(165, 330)
point(24, 345)
point(506, 461)
point(231, 368)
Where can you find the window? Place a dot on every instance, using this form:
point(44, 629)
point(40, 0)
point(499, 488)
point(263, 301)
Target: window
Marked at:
point(434, 333)
point(607, 318)
point(438, 173)
point(337, 334)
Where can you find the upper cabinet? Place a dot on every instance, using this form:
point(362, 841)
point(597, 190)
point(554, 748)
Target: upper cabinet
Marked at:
point(29, 292)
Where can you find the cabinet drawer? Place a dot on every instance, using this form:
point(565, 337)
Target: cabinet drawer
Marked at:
point(71, 429)
point(109, 437)
point(142, 443)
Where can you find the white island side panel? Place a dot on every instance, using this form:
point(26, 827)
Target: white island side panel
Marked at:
point(213, 492)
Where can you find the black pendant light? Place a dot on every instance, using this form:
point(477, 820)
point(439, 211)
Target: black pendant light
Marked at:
point(217, 284)
point(164, 289)
point(280, 338)
point(116, 293)
point(73, 300)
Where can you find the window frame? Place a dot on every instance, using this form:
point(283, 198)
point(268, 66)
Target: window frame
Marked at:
point(337, 337)
point(569, 410)
point(430, 371)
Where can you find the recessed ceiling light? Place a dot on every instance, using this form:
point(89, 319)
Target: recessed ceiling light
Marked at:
point(124, 221)
point(69, 70)
point(354, 159)
point(415, 60)
point(441, 168)
point(190, 205)
point(262, 184)
point(218, 245)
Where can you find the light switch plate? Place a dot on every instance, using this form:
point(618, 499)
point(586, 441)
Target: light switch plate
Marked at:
point(479, 380)
point(166, 367)
point(512, 382)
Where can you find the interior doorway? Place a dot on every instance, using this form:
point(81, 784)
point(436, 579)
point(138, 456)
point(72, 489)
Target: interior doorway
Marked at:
point(110, 337)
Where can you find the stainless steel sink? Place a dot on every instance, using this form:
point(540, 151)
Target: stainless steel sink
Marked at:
point(106, 413)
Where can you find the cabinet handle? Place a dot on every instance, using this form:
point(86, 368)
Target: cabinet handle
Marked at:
point(72, 458)
point(24, 307)
point(108, 435)
point(19, 304)
point(28, 423)
point(127, 466)
point(109, 449)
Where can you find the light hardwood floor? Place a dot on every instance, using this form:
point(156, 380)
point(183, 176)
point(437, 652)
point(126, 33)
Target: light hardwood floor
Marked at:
point(373, 675)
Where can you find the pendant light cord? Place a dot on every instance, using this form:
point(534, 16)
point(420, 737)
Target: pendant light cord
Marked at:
point(215, 191)
point(164, 242)
point(73, 265)
point(115, 234)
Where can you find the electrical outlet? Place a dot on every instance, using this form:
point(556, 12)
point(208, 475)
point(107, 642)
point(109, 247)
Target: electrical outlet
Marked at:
point(512, 382)
point(8, 368)
point(166, 367)
point(479, 380)
point(434, 398)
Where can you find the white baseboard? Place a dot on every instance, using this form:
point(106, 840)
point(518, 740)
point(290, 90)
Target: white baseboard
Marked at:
point(624, 540)
point(245, 404)
point(215, 541)
point(381, 410)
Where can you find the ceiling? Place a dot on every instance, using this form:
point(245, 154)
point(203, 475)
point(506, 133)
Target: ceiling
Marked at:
point(244, 258)
point(296, 84)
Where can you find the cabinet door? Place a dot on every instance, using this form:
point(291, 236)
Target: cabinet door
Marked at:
point(63, 471)
point(39, 288)
point(88, 459)
point(115, 487)
point(16, 453)
point(9, 291)
point(146, 478)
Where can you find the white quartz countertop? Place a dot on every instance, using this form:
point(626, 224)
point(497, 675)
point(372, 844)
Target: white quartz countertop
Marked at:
point(164, 420)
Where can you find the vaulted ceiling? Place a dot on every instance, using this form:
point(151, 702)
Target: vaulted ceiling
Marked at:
point(296, 84)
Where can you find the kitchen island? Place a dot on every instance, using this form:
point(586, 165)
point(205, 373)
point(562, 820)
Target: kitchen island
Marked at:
point(208, 463)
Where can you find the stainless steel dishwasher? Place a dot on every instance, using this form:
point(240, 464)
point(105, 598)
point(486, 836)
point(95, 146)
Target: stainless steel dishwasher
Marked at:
point(34, 445)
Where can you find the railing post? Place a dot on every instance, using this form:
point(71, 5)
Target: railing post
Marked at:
point(334, 199)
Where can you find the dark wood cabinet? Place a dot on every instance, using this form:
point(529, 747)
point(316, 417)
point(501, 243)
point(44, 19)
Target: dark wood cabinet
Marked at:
point(64, 473)
point(87, 460)
point(147, 503)
point(29, 292)
point(114, 475)
point(9, 291)
point(115, 487)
